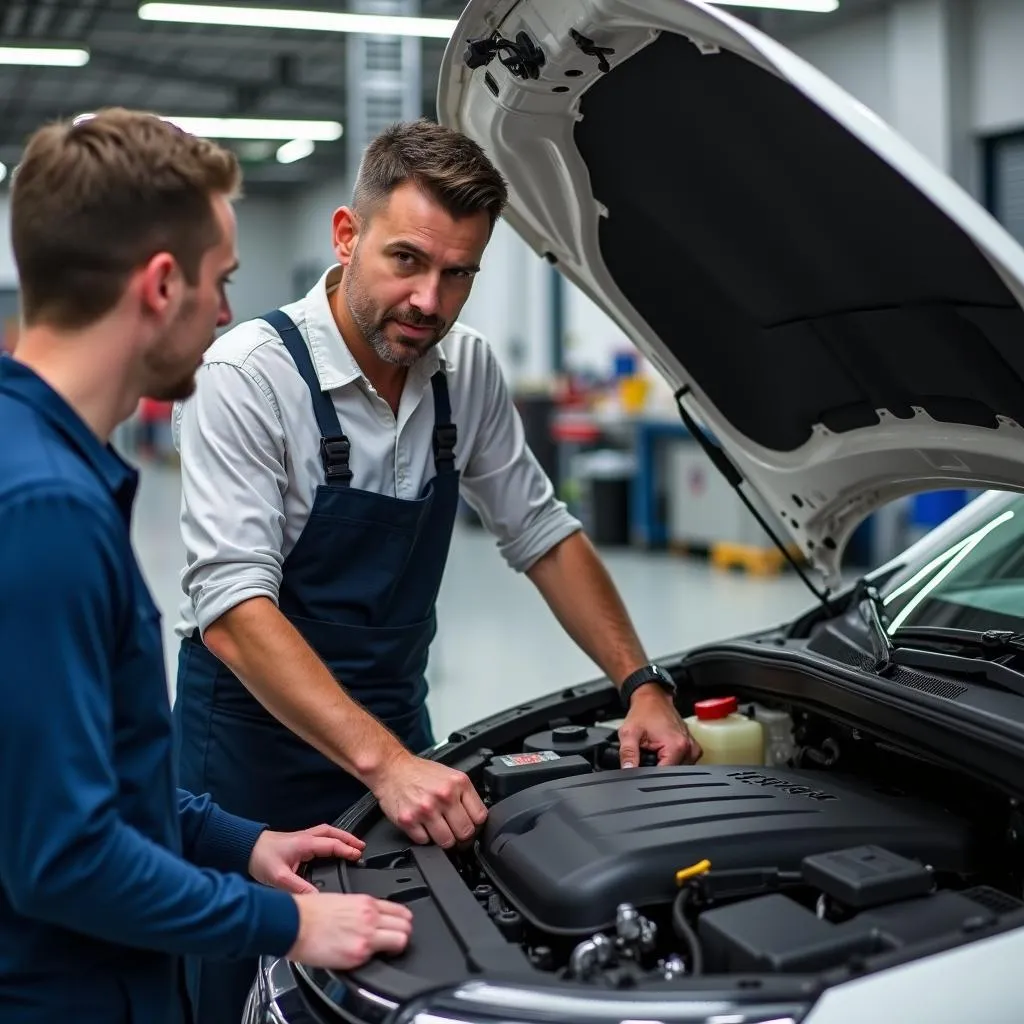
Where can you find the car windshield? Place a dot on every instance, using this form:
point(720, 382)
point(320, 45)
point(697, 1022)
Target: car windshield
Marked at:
point(966, 575)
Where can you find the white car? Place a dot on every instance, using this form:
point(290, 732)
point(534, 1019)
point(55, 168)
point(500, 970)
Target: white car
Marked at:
point(843, 326)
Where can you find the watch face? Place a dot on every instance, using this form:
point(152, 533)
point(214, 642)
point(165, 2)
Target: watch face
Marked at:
point(662, 677)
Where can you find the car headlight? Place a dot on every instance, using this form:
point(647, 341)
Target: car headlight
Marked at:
point(274, 997)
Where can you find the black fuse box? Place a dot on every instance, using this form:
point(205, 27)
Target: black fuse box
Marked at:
point(867, 876)
point(507, 774)
point(775, 933)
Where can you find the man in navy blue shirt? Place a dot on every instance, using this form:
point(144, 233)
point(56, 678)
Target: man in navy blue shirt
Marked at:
point(124, 237)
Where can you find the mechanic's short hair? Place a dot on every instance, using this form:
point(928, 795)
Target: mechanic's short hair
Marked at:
point(94, 198)
point(449, 167)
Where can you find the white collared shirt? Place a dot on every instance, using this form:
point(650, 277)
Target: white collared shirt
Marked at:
point(250, 452)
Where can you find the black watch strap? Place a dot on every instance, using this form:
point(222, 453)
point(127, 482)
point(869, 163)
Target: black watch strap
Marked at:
point(641, 677)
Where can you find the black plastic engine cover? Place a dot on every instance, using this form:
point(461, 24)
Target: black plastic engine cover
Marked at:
point(566, 853)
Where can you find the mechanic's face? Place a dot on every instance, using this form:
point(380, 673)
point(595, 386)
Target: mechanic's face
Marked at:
point(171, 363)
point(409, 269)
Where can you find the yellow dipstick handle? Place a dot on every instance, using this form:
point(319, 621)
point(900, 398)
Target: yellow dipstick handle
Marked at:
point(685, 874)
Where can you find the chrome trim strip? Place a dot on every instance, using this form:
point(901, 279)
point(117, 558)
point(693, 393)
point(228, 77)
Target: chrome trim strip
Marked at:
point(340, 992)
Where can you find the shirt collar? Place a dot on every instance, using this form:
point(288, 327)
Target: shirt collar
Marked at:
point(332, 359)
point(24, 384)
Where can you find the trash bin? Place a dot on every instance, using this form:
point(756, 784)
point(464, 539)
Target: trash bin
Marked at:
point(537, 411)
point(604, 477)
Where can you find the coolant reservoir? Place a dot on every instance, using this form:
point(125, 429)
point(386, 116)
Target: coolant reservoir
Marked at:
point(779, 746)
point(725, 736)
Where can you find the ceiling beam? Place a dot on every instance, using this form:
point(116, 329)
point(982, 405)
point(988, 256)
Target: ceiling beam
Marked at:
point(309, 45)
point(109, 60)
point(234, 41)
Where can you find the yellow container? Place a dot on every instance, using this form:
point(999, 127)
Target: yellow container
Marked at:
point(633, 393)
point(725, 736)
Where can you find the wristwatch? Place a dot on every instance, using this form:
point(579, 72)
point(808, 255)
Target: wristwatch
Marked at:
point(641, 677)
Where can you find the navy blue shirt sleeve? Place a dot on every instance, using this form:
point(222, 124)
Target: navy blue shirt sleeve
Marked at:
point(214, 838)
point(66, 855)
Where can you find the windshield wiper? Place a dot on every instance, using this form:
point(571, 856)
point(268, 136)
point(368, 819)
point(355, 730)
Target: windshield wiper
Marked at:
point(988, 642)
point(892, 649)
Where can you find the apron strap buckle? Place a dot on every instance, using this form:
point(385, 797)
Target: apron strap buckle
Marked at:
point(334, 452)
point(445, 438)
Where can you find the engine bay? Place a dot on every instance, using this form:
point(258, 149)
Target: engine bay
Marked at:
point(619, 877)
point(841, 854)
point(566, 853)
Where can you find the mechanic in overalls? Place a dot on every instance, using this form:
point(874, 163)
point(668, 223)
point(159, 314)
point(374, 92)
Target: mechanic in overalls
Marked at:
point(322, 459)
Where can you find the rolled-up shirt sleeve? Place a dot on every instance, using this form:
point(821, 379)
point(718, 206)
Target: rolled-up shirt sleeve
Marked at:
point(505, 484)
point(233, 479)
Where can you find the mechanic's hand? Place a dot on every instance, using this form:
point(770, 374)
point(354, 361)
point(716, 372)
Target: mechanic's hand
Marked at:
point(653, 723)
point(429, 801)
point(277, 856)
point(343, 931)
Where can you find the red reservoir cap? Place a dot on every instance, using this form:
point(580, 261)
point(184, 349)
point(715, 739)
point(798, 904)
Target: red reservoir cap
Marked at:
point(716, 707)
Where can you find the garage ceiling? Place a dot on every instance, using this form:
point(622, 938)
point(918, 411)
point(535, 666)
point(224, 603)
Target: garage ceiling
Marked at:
point(219, 71)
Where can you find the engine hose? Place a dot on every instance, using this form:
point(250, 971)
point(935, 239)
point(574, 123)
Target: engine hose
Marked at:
point(685, 932)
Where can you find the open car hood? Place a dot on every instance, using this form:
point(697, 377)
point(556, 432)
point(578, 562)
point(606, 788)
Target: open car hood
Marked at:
point(840, 317)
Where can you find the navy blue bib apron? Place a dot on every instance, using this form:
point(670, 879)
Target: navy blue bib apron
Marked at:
point(360, 585)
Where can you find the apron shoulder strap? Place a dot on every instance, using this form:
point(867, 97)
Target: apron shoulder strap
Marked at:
point(445, 433)
point(334, 445)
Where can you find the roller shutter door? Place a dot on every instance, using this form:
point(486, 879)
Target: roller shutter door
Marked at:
point(1007, 184)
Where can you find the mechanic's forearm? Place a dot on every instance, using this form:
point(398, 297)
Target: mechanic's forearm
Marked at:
point(272, 659)
point(576, 585)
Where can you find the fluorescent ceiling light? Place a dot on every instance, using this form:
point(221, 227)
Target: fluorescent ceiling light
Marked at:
point(251, 128)
point(310, 21)
point(297, 149)
point(44, 56)
point(813, 6)
point(3, 171)
point(258, 128)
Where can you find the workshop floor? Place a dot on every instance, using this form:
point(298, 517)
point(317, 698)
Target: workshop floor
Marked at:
point(497, 642)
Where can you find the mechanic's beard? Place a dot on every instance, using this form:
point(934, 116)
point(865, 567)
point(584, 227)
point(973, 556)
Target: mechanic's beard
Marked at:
point(166, 388)
point(171, 378)
point(177, 391)
point(373, 328)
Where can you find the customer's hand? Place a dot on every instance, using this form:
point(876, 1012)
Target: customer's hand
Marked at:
point(343, 931)
point(429, 801)
point(277, 856)
point(653, 723)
